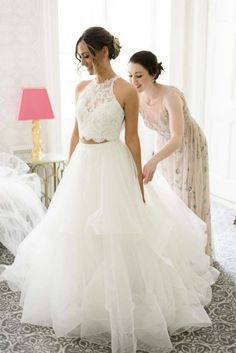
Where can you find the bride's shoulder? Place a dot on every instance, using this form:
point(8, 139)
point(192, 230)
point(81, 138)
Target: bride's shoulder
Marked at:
point(124, 87)
point(125, 92)
point(81, 86)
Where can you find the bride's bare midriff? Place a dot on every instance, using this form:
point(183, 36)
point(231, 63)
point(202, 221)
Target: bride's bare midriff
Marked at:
point(91, 141)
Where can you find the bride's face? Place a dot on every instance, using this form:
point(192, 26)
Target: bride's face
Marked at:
point(139, 77)
point(85, 57)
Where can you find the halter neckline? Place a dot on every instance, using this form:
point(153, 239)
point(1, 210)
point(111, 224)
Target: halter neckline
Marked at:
point(105, 81)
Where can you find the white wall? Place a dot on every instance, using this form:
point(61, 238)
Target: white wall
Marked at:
point(26, 35)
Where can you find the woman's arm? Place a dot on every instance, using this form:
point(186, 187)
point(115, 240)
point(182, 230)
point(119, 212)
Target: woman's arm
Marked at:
point(174, 107)
point(131, 108)
point(75, 133)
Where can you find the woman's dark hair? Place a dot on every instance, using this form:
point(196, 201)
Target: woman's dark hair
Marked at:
point(149, 61)
point(98, 37)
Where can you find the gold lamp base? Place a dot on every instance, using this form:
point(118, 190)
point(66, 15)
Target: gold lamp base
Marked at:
point(36, 139)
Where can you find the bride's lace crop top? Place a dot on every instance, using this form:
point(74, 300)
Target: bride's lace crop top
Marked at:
point(99, 114)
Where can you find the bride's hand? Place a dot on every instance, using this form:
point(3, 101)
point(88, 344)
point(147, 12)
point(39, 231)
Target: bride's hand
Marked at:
point(140, 179)
point(149, 170)
point(142, 192)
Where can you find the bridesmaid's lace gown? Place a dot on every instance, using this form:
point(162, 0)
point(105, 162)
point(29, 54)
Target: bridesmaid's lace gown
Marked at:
point(104, 265)
point(186, 170)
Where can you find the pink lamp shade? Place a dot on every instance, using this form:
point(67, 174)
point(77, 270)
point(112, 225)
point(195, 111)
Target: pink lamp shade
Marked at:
point(34, 105)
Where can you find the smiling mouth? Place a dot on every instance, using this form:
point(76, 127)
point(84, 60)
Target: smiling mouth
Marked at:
point(89, 68)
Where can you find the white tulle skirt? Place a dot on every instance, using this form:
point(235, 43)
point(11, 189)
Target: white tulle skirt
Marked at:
point(20, 206)
point(104, 263)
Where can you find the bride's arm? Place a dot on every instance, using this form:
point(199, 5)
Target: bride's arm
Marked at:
point(131, 109)
point(75, 133)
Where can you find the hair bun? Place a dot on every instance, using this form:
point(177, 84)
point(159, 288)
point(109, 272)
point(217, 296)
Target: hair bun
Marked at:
point(117, 47)
point(159, 69)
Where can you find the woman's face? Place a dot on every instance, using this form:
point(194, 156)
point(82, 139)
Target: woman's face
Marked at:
point(139, 77)
point(85, 57)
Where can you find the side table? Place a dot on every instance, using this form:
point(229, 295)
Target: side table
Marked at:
point(50, 169)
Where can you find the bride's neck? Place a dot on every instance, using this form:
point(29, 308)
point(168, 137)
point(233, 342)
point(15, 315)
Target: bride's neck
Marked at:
point(104, 73)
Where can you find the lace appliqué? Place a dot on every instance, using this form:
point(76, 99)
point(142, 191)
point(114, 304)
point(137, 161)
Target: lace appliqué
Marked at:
point(99, 114)
point(101, 91)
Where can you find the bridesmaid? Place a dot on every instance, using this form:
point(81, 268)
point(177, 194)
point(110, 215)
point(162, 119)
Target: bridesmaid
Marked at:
point(182, 155)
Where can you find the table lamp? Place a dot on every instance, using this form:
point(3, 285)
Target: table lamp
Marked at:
point(35, 105)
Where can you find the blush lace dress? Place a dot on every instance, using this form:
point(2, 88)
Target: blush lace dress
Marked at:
point(102, 264)
point(186, 170)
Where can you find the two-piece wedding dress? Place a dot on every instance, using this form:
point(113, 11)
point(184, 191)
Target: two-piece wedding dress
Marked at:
point(104, 263)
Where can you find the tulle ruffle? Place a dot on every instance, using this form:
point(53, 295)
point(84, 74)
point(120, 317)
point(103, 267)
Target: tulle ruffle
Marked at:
point(104, 263)
point(20, 206)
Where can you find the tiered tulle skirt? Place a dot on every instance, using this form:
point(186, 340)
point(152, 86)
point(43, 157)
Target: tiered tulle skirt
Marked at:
point(102, 263)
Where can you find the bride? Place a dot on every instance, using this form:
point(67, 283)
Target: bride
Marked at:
point(110, 258)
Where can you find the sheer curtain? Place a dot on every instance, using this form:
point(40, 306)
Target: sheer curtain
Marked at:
point(139, 24)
